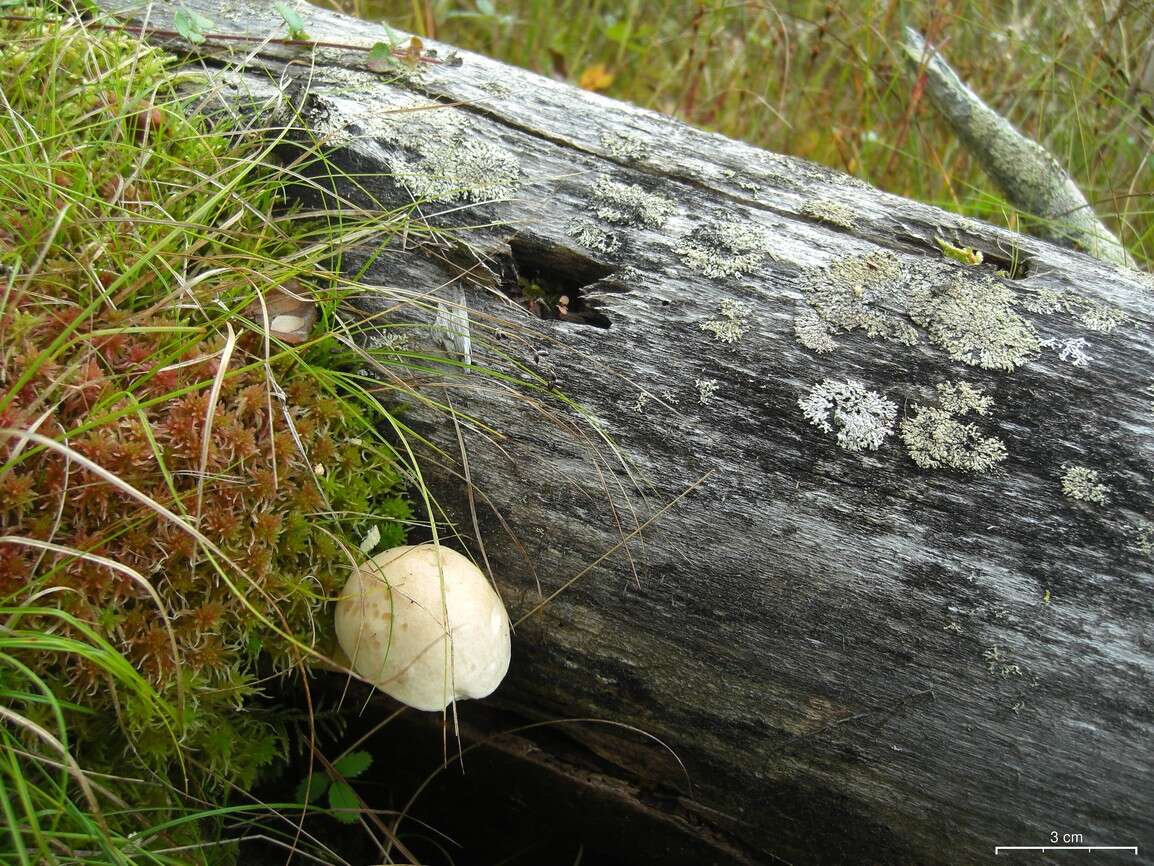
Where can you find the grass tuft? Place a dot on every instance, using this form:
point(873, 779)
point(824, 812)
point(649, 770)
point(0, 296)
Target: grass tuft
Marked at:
point(184, 484)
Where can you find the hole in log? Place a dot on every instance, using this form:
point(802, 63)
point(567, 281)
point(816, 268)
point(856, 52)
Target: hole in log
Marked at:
point(1012, 263)
point(553, 281)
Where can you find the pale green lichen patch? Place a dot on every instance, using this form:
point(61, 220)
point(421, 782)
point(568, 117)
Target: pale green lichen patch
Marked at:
point(1100, 317)
point(731, 323)
point(1044, 301)
point(862, 418)
point(968, 313)
point(848, 295)
point(1082, 483)
point(812, 332)
point(706, 389)
point(936, 439)
point(432, 150)
point(725, 249)
point(1143, 532)
point(829, 211)
point(1000, 664)
point(1146, 280)
point(624, 145)
point(496, 88)
point(629, 275)
point(629, 204)
point(958, 398)
point(592, 236)
point(971, 316)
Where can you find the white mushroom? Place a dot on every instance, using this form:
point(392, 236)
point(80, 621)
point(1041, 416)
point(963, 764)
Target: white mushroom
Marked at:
point(390, 621)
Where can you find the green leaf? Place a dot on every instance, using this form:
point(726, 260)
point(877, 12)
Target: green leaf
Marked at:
point(353, 764)
point(191, 25)
point(296, 26)
point(381, 58)
point(486, 7)
point(310, 793)
point(345, 803)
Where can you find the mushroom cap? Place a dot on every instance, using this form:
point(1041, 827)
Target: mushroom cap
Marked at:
point(390, 621)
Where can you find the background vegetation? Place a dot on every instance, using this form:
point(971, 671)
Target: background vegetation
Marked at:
point(825, 81)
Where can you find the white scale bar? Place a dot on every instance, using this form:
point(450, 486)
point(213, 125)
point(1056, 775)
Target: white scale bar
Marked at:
point(1000, 848)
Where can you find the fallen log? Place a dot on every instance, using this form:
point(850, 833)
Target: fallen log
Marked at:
point(846, 499)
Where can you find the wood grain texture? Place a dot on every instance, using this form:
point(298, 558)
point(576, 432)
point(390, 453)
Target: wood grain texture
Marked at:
point(857, 658)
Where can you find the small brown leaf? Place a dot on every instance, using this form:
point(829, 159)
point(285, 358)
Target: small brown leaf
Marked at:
point(414, 50)
point(292, 313)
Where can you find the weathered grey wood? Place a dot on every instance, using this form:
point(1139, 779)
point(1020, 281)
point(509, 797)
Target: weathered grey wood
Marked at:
point(858, 658)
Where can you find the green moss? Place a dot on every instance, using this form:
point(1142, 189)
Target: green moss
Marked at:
point(145, 235)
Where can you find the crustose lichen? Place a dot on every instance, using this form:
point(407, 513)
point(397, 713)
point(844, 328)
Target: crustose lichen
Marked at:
point(829, 211)
point(624, 145)
point(936, 439)
point(863, 418)
point(434, 151)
